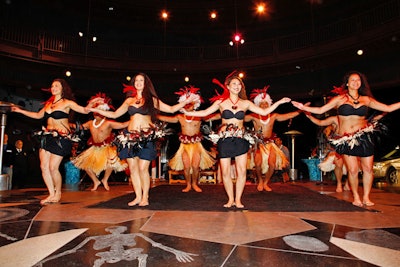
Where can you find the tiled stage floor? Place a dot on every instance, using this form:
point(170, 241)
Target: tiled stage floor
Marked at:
point(70, 234)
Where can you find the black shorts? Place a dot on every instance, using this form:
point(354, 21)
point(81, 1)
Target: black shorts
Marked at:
point(231, 147)
point(57, 145)
point(145, 150)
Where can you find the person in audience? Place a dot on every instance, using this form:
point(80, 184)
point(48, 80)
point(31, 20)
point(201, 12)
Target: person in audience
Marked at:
point(285, 150)
point(20, 167)
point(102, 154)
point(56, 137)
point(355, 135)
point(137, 143)
point(232, 139)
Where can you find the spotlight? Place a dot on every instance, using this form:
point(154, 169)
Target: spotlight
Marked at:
point(94, 39)
point(128, 78)
point(360, 52)
point(231, 43)
point(68, 73)
point(80, 34)
point(187, 79)
point(213, 15)
point(164, 15)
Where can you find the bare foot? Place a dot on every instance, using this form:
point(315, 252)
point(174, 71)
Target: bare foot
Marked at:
point(134, 202)
point(346, 187)
point(239, 205)
point(96, 184)
point(186, 189)
point(196, 188)
point(229, 204)
point(47, 200)
point(144, 203)
point(357, 203)
point(267, 188)
point(339, 189)
point(105, 184)
point(260, 187)
point(368, 203)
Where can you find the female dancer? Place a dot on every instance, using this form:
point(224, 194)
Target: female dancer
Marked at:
point(230, 139)
point(355, 133)
point(56, 138)
point(137, 143)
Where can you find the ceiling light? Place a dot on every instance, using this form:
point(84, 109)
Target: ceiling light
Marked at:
point(213, 15)
point(360, 52)
point(68, 73)
point(164, 15)
point(187, 79)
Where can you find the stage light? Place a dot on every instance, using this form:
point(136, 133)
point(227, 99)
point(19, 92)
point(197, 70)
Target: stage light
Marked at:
point(187, 79)
point(94, 38)
point(260, 8)
point(68, 73)
point(80, 34)
point(164, 15)
point(237, 38)
point(231, 43)
point(213, 15)
point(360, 52)
point(128, 78)
point(241, 75)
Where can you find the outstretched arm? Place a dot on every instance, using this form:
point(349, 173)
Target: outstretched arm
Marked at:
point(328, 121)
point(290, 115)
point(204, 113)
point(172, 109)
point(113, 114)
point(319, 110)
point(256, 109)
point(383, 107)
point(30, 114)
point(169, 119)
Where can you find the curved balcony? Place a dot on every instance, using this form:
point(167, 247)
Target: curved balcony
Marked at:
point(329, 44)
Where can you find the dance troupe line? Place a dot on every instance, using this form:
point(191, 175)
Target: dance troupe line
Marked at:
point(134, 147)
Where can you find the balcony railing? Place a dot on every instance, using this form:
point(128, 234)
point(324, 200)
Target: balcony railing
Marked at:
point(54, 44)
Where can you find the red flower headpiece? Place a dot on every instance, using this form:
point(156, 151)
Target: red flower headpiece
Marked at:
point(102, 101)
point(256, 92)
point(131, 90)
point(260, 95)
point(338, 90)
point(223, 96)
point(185, 92)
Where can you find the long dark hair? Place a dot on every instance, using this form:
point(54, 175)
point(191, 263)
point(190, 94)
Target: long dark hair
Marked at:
point(149, 93)
point(66, 89)
point(364, 88)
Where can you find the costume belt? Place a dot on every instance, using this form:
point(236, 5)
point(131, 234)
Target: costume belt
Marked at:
point(105, 142)
point(232, 130)
point(187, 139)
point(353, 139)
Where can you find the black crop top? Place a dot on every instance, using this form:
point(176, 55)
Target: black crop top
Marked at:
point(227, 114)
point(132, 110)
point(57, 114)
point(348, 110)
